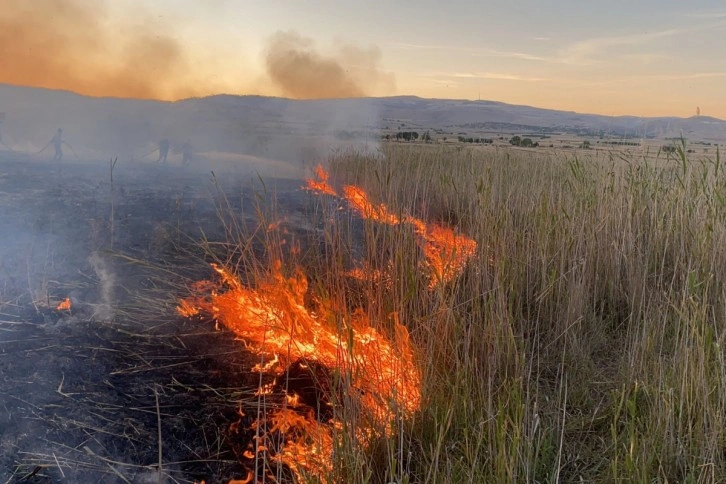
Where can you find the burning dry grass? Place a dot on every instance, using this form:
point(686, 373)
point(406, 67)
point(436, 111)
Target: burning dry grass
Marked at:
point(586, 341)
point(582, 339)
point(348, 365)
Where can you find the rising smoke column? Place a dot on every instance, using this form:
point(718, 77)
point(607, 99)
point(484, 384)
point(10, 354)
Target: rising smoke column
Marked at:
point(302, 72)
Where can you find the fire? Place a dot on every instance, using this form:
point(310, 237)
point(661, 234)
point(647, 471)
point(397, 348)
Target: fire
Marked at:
point(274, 321)
point(321, 185)
point(446, 252)
point(64, 305)
point(325, 361)
point(276, 324)
point(358, 199)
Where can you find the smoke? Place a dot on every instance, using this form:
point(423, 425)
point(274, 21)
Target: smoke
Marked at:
point(301, 72)
point(104, 309)
point(70, 44)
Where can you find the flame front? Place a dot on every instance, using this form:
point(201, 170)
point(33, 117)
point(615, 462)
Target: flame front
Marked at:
point(446, 252)
point(353, 366)
point(275, 323)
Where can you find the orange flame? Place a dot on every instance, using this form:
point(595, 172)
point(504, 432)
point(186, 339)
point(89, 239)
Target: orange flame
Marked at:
point(322, 185)
point(275, 322)
point(445, 251)
point(358, 199)
point(64, 305)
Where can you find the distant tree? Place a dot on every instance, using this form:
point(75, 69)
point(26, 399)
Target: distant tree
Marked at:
point(426, 137)
point(407, 135)
point(516, 141)
point(585, 145)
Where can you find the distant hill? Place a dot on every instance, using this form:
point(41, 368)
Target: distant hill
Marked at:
point(269, 126)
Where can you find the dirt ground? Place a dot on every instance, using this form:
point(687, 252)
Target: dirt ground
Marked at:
point(107, 390)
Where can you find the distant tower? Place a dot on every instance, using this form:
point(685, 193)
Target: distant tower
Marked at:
point(698, 111)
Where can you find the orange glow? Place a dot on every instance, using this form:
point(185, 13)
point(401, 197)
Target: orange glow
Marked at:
point(246, 480)
point(298, 336)
point(358, 199)
point(64, 305)
point(275, 323)
point(321, 186)
point(445, 251)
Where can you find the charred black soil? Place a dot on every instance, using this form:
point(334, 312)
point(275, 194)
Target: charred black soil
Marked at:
point(108, 390)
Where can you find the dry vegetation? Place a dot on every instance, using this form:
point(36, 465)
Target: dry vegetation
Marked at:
point(582, 343)
point(585, 340)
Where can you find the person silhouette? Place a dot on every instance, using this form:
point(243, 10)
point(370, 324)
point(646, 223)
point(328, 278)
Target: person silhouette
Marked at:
point(57, 142)
point(163, 150)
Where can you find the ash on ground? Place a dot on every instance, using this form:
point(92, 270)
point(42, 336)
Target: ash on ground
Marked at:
point(111, 388)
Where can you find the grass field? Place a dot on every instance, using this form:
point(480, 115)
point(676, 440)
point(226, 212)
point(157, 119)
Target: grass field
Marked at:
point(582, 342)
point(585, 340)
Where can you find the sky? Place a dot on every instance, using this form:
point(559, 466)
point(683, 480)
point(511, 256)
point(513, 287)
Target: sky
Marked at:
point(636, 57)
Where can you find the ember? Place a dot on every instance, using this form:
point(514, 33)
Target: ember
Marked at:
point(64, 305)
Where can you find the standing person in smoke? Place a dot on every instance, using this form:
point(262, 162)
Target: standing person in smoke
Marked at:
point(163, 150)
point(57, 142)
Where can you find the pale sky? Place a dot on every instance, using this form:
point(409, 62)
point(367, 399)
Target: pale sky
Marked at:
point(638, 57)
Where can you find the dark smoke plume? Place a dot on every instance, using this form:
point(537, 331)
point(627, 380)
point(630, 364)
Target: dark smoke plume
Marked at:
point(68, 44)
point(301, 72)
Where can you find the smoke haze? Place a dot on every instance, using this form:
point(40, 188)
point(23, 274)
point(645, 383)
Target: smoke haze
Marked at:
point(69, 44)
point(75, 45)
point(301, 72)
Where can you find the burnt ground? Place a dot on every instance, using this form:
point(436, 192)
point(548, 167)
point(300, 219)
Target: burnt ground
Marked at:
point(107, 390)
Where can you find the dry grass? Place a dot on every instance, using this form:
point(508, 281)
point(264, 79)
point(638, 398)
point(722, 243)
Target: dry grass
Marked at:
point(585, 342)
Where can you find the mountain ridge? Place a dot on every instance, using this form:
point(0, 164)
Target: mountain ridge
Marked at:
point(254, 124)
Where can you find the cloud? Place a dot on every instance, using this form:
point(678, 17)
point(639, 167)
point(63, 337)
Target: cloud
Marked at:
point(300, 71)
point(704, 15)
point(497, 76)
point(662, 77)
point(591, 51)
point(477, 51)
